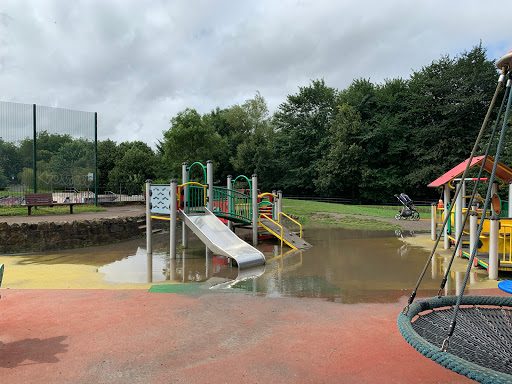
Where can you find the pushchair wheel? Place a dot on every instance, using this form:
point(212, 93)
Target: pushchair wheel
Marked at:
point(398, 216)
point(415, 216)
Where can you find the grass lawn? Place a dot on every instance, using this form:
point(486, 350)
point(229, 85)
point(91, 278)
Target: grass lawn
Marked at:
point(56, 210)
point(318, 212)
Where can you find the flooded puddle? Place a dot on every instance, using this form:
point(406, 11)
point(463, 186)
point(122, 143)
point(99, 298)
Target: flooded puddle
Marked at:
point(348, 266)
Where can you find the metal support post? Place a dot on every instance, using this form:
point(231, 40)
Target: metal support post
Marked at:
point(446, 190)
point(494, 190)
point(255, 215)
point(149, 230)
point(494, 224)
point(184, 179)
point(275, 215)
point(433, 226)
point(173, 206)
point(473, 229)
point(510, 199)
point(279, 202)
point(209, 181)
point(458, 222)
point(230, 197)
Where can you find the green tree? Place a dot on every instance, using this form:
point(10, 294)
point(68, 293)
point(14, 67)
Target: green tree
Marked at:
point(136, 162)
point(107, 156)
point(3, 179)
point(190, 139)
point(10, 161)
point(340, 171)
point(450, 100)
point(303, 124)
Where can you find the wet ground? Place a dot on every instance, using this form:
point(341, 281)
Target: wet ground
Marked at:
point(325, 315)
point(345, 266)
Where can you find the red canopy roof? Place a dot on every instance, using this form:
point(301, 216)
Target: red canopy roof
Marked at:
point(503, 172)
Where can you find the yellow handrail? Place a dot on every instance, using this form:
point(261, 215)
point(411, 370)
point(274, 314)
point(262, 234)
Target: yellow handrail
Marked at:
point(267, 194)
point(289, 218)
point(192, 183)
point(275, 222)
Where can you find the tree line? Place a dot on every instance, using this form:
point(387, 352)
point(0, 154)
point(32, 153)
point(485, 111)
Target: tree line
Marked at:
point(366, 142)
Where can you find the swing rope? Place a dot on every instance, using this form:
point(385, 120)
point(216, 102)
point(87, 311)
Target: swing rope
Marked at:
point(459, 186)
point(475, 188)
point(484, 211)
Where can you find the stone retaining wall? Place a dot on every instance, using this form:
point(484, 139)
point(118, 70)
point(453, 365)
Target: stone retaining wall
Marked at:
point(47, 236)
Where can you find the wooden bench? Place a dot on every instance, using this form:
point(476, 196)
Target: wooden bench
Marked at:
point(43, 199)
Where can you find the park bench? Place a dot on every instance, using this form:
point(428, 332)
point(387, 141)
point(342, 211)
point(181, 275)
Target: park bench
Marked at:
point(43, 199)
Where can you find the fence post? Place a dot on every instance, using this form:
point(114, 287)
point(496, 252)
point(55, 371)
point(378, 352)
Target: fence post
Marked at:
point(95, 159)
point(255, 217)
point(184, 231)
point(494, 223)
point(209, 181)
point(149, 230)
point(230, 195)
point(34, 124)
point(173, 206)
point(433, 222)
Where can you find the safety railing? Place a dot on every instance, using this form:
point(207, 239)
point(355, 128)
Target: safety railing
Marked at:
point(282, 214)
point(265, 216)
point(266, 205)
point(196, 199)
point(231, 204)
point(505, 245)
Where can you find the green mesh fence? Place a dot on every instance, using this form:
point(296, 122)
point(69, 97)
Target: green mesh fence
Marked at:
point(45, 149)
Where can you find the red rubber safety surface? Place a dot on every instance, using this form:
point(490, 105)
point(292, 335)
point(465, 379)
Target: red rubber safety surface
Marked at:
point(131, 336)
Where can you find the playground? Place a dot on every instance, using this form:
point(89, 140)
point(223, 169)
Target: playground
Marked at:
point(67, 324)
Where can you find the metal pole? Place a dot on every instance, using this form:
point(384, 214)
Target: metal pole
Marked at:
point(433, 226)
point(446, 244)
point(494, 222)
point(458, 222)
point(275, 215)
point(209, 181)
point(230, 196)
point(494, 190)
point(34, 147)
point(172, 229)
point(149, 230)
point(510, 199)
point(463, 193)
point(255, 217)
point(96, 158)
point(473, 229)
point(184, 179)
point(279, 202)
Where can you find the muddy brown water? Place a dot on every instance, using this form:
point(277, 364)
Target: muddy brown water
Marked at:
point(348, 266)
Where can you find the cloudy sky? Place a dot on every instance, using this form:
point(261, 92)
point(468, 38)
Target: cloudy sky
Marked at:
point(138, 63)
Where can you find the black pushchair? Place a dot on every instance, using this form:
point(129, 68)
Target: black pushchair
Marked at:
point(409, 210)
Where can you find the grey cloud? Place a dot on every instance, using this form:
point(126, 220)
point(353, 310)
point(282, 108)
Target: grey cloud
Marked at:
point(139, 63)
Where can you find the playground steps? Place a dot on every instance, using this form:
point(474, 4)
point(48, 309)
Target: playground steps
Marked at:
point(289, 237)
point(142, 227)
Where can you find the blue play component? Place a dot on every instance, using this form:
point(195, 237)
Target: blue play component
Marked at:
point(505, 286)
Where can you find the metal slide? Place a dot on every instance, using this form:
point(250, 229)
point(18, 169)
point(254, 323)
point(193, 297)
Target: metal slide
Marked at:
point(217, 236)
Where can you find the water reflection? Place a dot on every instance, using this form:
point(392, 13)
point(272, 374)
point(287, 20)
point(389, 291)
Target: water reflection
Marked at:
point(346, 266)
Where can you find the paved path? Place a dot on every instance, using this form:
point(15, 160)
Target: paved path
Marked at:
point(131, 336)
point(110, 212)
